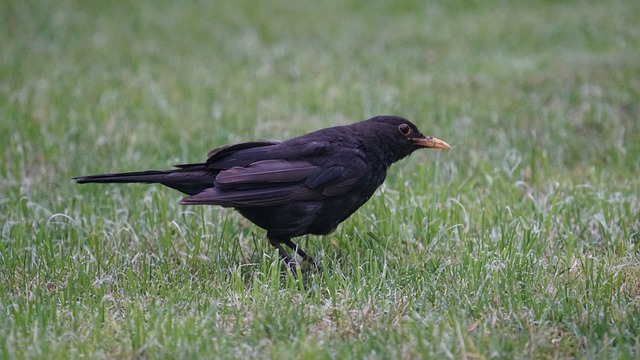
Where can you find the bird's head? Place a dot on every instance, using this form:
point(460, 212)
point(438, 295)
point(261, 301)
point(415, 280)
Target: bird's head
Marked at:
point(399, 137)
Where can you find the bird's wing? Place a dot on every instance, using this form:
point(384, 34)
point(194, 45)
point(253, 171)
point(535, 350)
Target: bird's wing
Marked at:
point(265, 172)
point(337, 179)
point(239, 198)
point(262, 183)
point(277, 182)
point(239, 154)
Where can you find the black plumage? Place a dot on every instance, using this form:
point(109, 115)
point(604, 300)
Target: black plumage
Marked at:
point(305, 185)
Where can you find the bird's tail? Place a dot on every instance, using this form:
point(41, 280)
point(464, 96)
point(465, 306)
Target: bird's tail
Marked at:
point(149, 176)
point(189, 179)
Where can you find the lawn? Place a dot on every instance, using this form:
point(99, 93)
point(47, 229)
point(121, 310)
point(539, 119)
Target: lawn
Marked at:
point(523, 241)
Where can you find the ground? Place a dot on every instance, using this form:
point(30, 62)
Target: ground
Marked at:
point(520, 242)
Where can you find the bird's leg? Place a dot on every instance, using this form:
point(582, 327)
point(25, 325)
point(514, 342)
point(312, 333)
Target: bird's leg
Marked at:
point(283, 254)
point(300, 252)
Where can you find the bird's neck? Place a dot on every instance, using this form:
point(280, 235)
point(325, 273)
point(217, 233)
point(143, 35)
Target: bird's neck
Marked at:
point(383, 155)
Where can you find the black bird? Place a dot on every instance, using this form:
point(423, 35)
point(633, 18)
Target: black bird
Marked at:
point(305, 185)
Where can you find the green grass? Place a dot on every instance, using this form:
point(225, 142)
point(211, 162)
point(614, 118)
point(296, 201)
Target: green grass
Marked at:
point(521, 242)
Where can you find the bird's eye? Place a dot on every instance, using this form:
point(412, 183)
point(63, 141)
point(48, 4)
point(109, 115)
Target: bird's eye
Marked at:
point(404, 129)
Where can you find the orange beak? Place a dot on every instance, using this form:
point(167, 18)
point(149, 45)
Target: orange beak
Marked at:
point(431, 142)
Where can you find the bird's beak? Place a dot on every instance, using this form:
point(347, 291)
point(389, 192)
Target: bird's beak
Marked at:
point(431, 142)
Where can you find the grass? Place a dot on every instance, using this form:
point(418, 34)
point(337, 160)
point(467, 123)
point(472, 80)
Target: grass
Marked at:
point(521, 242)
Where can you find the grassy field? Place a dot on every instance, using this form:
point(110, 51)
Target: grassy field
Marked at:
point(521, 242)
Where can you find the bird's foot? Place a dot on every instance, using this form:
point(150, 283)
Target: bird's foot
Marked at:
point(292, 265)
point(317, 265)
point(305, 265)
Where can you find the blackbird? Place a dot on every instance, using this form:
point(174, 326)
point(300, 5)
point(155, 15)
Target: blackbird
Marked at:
point(305, 185)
